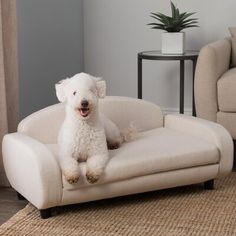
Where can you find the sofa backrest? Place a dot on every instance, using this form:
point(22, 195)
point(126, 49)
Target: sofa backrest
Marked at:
point(44, 125)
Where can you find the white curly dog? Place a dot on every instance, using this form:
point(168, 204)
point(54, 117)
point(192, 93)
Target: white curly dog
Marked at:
point(86, 134)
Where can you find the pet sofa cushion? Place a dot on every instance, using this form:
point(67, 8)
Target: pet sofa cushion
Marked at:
point(164, 150)
point(233, 40)
point(226, 91)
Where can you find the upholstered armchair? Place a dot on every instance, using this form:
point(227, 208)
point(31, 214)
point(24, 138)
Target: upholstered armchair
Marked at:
point(215, 83)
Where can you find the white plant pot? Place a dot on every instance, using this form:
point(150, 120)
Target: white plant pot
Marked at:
point(173, 43)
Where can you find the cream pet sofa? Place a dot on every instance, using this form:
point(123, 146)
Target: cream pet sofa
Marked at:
point(170, 151)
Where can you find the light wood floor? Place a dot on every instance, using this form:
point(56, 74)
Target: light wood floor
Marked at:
point(9, 204)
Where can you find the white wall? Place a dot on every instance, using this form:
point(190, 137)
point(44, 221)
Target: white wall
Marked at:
point(50, 43)
point(115, 30)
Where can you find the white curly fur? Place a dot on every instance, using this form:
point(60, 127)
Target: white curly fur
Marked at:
point(84, 136)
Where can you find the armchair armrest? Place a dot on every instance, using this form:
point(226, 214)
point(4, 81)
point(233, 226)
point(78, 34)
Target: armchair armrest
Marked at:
point(32, 170)
point(208, 131)
point(213, 62)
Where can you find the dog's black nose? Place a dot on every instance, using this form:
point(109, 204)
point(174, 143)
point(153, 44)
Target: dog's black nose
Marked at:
point(84, 103)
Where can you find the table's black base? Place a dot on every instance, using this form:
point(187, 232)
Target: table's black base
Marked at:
point(156, 55)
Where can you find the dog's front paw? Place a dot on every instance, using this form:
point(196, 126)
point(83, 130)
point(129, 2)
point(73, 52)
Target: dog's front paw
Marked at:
point(92, 178)
point(72, 179)
point(71, 175)
point(70, 170)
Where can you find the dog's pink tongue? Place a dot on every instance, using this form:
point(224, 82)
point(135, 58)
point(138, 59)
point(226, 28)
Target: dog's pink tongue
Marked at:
point(83, 112)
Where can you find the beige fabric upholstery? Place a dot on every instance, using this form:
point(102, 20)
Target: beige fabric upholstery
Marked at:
point(227, 91)
point(228, 120)
point(141, 184)
point(233, 41)
point(154, 151)
point(44, 124)
point(32, 170)
point(185, 151)
point(215, 83)
point(213, 62)
point(123, 110)
point(208, 131)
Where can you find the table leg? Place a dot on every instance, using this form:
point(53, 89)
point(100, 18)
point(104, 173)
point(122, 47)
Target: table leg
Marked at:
point(181, 102)
point(140, 75)
point(194, 68)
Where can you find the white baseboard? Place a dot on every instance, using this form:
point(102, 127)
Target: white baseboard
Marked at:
point(167, 110)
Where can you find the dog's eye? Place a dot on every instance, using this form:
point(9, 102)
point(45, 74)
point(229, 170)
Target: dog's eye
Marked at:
point(74, 93)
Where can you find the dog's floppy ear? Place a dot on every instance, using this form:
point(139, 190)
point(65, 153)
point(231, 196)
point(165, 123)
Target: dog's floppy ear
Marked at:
point(60, 90)
point(101, 87)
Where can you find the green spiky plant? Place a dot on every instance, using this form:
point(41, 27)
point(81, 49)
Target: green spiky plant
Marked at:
point(175, 23)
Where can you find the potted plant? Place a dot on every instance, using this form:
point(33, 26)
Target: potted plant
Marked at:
point(173, 40)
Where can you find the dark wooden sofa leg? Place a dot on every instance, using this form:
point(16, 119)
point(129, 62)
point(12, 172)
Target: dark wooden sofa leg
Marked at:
point(209, 185)
point(20, 197)
point(46, 213)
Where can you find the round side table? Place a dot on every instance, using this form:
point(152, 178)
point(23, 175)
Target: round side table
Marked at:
point(158, 56)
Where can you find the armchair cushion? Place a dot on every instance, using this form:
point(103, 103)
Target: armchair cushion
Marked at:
point(154, 151)
point(227, 91)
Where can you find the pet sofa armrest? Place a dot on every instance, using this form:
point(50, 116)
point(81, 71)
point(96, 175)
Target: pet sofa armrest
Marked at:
point(32, 170)
point(208, 131)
